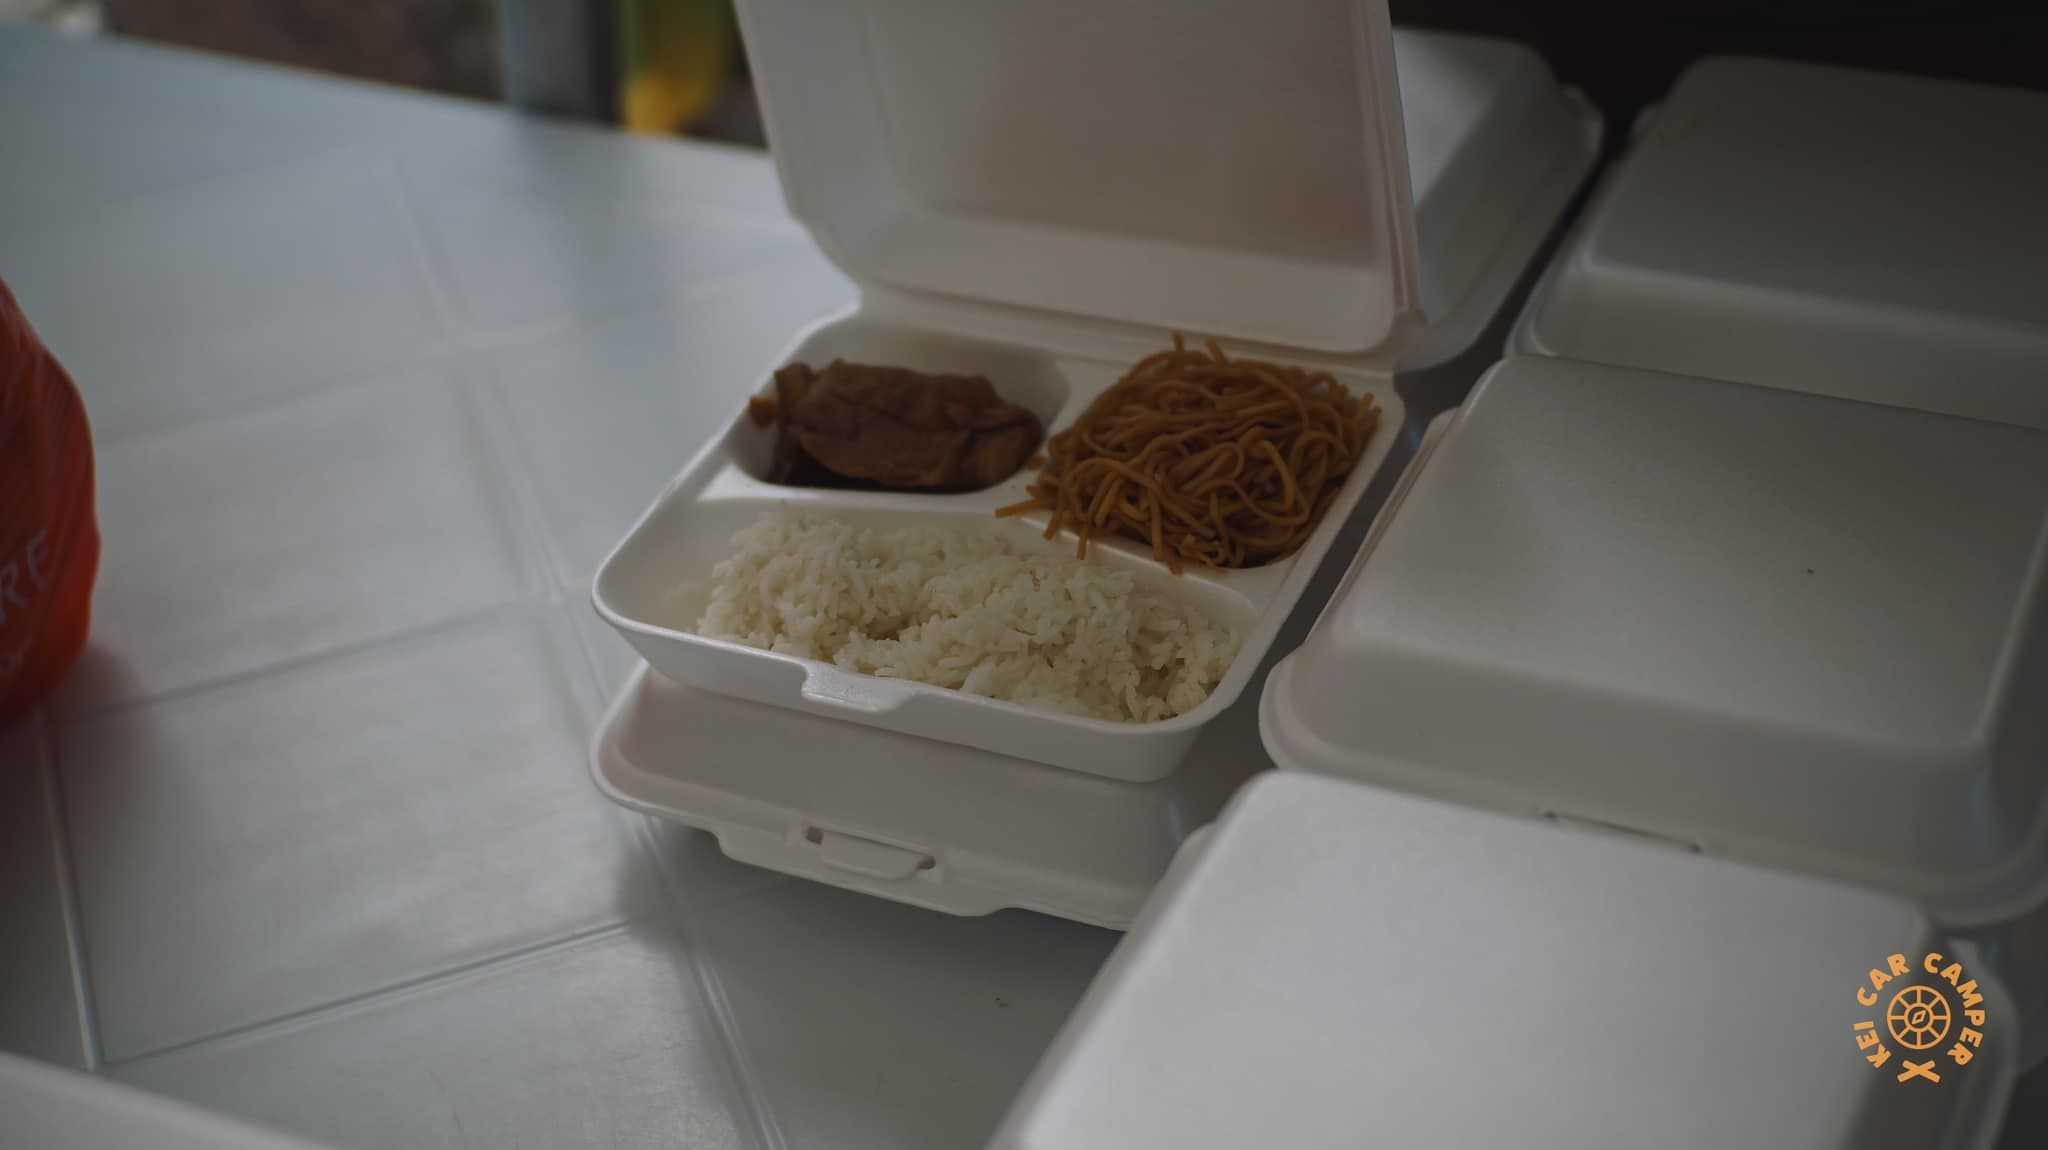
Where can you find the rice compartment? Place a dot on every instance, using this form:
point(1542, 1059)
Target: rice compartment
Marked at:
point(967, 611)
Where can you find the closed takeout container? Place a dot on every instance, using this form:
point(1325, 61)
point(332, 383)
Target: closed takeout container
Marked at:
point(1803, 631)
point(1858, 234)
point(1496, 151)
point(1018, 193)
point(1334, 965)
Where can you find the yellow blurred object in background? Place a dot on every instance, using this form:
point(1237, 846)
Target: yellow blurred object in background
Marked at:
point(678, 55)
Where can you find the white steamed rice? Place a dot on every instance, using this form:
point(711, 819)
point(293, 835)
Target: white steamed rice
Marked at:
point(964, 610)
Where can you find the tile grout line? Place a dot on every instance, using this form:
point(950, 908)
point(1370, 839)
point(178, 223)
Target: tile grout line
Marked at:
point(710, 991)
point(396, 992)
point(67, 892)
point(530, 604)
point(457, 345)
point(506, 452)
point(426, 256)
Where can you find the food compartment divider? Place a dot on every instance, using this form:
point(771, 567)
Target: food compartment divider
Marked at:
point(685, 533)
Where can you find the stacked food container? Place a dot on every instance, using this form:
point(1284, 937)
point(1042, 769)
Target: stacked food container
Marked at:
point(1806, 229)
point(1715, 702)
point(1807, 632)
point(1748, 681)
point(979, 259)
point(1847, 233)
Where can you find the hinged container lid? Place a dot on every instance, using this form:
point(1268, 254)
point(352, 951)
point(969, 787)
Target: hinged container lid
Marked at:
point(1343, 966)
point(1796, 629)
point(1229, 167)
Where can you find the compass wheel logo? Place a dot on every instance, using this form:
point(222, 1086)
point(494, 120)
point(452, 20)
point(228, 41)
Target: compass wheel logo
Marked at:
point(1918, 1017)
point(1919, 1006)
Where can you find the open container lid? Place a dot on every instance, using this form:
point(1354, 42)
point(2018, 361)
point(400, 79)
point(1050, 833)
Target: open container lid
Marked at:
point(1850, 233)
point(1232, 168)
point(1778, 626)
point(1339, 965)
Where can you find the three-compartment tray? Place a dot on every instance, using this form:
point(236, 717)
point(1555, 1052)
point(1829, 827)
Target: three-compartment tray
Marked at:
point(1047, 236)
point(651, 588)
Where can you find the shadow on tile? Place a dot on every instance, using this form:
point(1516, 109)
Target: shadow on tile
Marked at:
point(101, 677)
point(872, 1024)
point(39, 1014)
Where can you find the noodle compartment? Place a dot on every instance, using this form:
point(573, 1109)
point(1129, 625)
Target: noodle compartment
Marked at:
point(1211, 461)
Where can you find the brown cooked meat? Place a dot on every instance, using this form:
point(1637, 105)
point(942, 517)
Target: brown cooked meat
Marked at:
point(898, 428)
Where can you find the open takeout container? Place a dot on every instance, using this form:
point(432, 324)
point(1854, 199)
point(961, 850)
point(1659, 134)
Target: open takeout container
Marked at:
point(1858, 234)
point(1807, 632)
point(1017, 191)
point(1496, 150)
point(935, 825)
point(1333, 965)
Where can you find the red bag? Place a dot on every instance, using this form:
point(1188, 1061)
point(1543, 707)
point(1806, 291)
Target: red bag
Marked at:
point(49, 539)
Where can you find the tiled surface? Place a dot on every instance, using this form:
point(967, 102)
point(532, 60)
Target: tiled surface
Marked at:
point(300, 838)
point(73, 171)
point(38, 1008)
point(515, 257)
point(599, 1045)
point(348, 516)
point(874, 1024)
point(309, 277)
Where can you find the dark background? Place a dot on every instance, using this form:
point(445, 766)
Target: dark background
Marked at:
point(1622, 54)
point(1625, 55)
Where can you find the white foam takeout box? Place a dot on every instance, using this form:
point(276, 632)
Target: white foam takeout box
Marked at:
point(1858, 234)
point(716, 739)
point(1333, 965)
point(1802, 631)
point(919, 821)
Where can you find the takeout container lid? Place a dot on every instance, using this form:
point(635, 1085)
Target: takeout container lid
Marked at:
point(1233, 169)
point(1850, 233)
point(1333, 964)
point(1795, 629)
point(1496, 151)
